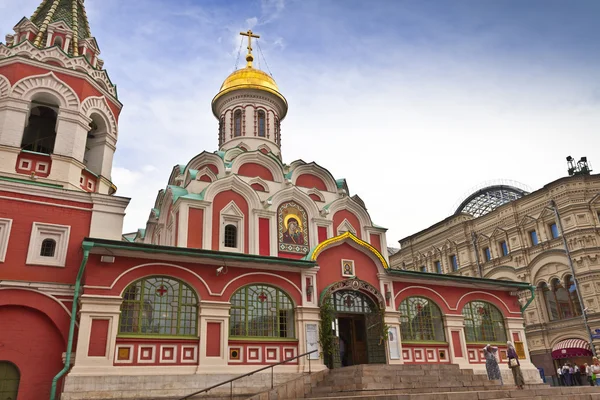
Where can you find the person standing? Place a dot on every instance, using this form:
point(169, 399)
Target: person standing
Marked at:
point(577, 374)
point(491, 363)
point(589, 374)
point(566, 370)
point(559, 376)
point(515, 365)
point(596, 371)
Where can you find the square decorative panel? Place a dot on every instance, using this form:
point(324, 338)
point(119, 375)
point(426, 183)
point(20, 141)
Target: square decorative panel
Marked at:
point(348, 268)
point(168, 354)
point(124, 354)
point(472, 355)
point(419, 355)
point(443, 354)
point(407, 355)
point(431, 355)
point(254, 354)
point(146, 354)
point(189, 354)
point(48, 244)
point(289, 352)
point(235, 354)
point(272, 354)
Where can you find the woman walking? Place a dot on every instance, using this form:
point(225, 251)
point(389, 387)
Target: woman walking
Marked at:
point(491, 364)
point(596, 371)
point(515, 365)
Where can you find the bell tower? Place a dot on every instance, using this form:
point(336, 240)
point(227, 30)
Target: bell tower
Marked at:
point(58, 107)
point(250, 108)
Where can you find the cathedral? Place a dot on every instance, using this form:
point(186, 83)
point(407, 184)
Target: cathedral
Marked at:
point(246, 259)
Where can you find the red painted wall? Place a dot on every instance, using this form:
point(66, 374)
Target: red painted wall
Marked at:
point(30, 340)
point(98, 275)
point(195, 228)
point(339, 217)
point(23, 215)
point(213, 339)
point(322, 233)
point(452, 294)
point(258, 187)
point(330, 261)
point(375, 240)
point(315, 197)
point(205, 178)
point(310, 181)
point(212, 167)
point(98, 338)
point(17, 71)
point(219, 202)
point(253, 170)
point(264, 242)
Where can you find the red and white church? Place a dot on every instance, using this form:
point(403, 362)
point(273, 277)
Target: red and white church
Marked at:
point(239, 253)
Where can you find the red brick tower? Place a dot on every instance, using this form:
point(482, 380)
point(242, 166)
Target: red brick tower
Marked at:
point(58, 132)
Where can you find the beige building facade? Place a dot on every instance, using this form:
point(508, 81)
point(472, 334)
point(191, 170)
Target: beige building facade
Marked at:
point(503, 232)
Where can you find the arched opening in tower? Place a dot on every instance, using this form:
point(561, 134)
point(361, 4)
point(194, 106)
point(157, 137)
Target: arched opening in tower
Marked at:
point(40, 132)
point(95, 143)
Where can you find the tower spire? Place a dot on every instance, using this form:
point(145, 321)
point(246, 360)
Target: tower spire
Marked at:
point(249, 56)
point(69, 12)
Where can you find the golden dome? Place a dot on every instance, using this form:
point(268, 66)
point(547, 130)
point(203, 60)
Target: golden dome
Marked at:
point(249, 78)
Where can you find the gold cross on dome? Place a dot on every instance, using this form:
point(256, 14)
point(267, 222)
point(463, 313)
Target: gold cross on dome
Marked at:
point(250, 36)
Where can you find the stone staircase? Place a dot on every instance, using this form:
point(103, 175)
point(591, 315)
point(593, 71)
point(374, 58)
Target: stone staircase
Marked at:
point(428, 382)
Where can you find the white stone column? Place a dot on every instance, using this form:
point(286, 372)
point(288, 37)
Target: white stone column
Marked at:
point(13, 118)
point(96, 308)
point(213, 312)
point(454, 327)
point(308, 316)
point(392, 319)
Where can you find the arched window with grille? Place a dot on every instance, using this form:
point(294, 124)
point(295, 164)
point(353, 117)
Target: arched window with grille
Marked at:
point(48, 248)
point(483, 323)
point(561, 300)
point(237, 123)
point(261, 311)
point(230, 236)
point(261, 123)
point(159, 306)
point(421, 320)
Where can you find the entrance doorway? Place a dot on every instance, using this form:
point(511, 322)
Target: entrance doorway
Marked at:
point(9, 380)
point(358, 325)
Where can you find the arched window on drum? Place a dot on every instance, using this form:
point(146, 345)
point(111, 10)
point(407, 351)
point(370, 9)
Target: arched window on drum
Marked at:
point(261, 311)
point(159, 306)
point(484, 323)
point(421, 320)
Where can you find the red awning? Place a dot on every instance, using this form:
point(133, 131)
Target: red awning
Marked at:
point(571, 348)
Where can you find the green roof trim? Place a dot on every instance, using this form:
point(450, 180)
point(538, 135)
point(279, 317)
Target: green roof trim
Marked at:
point(181, 168)
point(193, 174)
point(377, 226)
point(458, 278)
point(35, 152)
point(194, 196)
point(220, 154)
point(177, 192)
point(182, 251)
point(141, 233)
point(30, 182)
point(340, 183)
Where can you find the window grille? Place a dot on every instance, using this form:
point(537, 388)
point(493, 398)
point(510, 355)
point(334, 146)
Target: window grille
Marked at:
point(421, 320)
point(230, 239)
point(483, 323)
point(48, 248)
point(261, 311)
point(159, 306)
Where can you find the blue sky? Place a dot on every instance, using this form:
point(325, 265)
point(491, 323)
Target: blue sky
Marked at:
point(413, 102)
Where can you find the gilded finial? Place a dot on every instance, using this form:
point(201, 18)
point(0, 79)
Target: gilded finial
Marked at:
point(249, 56)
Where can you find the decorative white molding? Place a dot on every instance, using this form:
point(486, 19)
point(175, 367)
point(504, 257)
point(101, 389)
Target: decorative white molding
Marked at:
point(99, 105)
point(232, 215)
point(345, 226)
point(5, 225)
point(4, 86)
point(27, 87)
point(41, 231)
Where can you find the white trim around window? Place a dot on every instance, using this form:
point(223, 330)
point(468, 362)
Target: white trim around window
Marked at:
point(232, 215)
point(5, 225)
point(41, 231)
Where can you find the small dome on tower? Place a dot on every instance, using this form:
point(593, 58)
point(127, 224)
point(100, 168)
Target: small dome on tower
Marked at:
point(249, 78)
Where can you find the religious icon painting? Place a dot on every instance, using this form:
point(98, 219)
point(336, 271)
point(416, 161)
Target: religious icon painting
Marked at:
point(292, 227)
point(348, 268)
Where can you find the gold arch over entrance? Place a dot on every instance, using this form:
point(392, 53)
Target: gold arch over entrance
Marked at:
point(353, 284)
point(314, 253)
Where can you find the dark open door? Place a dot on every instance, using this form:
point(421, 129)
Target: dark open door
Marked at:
point(9, 380)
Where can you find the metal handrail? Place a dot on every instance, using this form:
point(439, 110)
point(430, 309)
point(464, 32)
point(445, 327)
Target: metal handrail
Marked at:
point(230, 381)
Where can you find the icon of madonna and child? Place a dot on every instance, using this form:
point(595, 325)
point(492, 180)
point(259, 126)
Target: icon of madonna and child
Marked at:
point(293, 235)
